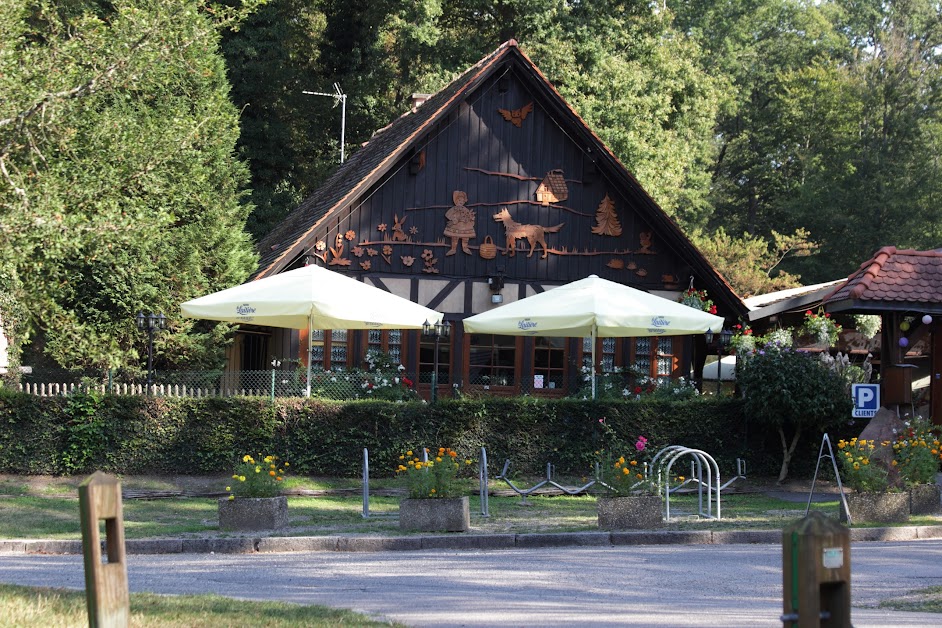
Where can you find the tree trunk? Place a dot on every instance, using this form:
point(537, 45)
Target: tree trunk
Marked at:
point(787, 451)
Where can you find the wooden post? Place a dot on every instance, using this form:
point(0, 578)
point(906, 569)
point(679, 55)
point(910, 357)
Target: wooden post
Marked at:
point(106, 583)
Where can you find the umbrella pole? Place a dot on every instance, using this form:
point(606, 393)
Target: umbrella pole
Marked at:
point(592, 336)
point(310, 346)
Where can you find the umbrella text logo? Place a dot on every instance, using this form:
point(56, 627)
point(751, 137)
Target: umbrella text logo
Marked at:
point(526, 325)
point(245, 311)
point(658, 323)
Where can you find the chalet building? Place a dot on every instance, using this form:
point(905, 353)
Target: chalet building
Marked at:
point(489, 191)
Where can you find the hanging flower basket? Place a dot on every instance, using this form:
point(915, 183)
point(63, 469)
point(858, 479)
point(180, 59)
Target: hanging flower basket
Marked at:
point(698, 300)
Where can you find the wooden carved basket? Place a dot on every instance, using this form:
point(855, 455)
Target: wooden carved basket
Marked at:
point(488, 249)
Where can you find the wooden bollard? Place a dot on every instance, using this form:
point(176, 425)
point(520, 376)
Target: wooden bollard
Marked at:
point(106, 583)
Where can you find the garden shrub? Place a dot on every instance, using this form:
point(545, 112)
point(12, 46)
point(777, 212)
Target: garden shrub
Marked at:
point(153, 435)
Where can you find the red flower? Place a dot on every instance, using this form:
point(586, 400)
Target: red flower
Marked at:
point(637, 390)
point(712, 309)
point(747, 332)
point(807, 312)
point(407, 382)
point(737, 326)
point(827, 315)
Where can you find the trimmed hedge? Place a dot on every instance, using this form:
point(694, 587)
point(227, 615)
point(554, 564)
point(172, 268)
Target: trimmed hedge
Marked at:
point(190, 436)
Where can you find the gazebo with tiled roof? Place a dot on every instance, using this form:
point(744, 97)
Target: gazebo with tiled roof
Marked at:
point(901, 285)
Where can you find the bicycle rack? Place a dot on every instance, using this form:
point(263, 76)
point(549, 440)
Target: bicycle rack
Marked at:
point(664, 461)
point(524, 493)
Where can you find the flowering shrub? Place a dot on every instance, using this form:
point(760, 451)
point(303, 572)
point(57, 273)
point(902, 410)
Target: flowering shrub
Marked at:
point(781, 337)
point(868, 324)
point(435, 478)
point(859, 472)
point(916, 453)
point(698, 300)
point(821, 327)
point(257, 477)
point(627, 475)
point(742, 341)
point(386, 379)
point(664, 388)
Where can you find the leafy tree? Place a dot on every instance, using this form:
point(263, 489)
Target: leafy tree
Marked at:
point(791, 392)
point(119, 190)
point(750, 264)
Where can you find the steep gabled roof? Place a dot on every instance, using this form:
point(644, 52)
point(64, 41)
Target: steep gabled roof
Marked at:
point(892, 280)
point(294, 236)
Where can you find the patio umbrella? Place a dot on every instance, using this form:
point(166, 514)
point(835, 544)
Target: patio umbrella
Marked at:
point(311, 298)
point(593, 308)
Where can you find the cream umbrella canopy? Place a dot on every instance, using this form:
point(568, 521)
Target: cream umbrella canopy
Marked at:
point(593, 308)
point(311, 298)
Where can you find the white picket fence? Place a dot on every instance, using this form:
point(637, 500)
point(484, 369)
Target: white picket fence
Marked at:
point(155, 390)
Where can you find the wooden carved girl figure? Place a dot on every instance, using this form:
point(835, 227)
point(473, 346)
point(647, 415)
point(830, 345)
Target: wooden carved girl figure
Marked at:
point(460, 223)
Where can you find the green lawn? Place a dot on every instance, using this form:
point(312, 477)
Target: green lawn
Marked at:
point(29, 606)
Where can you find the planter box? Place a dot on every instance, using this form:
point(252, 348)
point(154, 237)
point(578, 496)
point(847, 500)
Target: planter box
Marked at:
point(925, 499)
point(877, 507)
point(630, 512)
point(435, 515)
point(253, 513)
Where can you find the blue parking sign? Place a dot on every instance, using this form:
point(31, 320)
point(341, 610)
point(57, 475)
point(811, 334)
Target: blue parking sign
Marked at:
point(866, 400)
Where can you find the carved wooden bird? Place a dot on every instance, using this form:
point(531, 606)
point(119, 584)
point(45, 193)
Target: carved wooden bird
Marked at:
point(517, 116)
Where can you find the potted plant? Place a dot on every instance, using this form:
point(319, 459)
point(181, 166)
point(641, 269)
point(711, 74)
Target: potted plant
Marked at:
point(255, 501)
point(434, 503)
point(916, 457)
point(871, 499)
point(633, 501)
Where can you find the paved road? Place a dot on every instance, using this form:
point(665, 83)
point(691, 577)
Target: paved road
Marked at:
point(728, 585)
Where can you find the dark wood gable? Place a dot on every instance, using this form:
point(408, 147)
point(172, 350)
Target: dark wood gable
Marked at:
point(506, 180)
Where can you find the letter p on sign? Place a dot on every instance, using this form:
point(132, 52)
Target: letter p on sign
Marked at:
point(866, 400)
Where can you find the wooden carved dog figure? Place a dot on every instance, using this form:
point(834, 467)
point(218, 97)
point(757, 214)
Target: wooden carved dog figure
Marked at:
point(533, 233)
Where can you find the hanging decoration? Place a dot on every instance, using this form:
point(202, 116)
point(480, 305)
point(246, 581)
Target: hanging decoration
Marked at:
point(606, 221)
point(516, 116)
point(552, 189)
point(534, 234)
point(926, 319)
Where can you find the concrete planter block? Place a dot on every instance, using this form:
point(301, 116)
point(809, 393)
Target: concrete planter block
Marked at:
point(435, 515)
point(630, 512)
point(253, 513)
point(925, 499)
point(877, 508)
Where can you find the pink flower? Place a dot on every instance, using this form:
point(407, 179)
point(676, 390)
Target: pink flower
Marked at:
point(641, 444)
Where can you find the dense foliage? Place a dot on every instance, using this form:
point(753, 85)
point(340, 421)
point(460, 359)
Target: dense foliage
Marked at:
point(135, 435)
point(119, 188)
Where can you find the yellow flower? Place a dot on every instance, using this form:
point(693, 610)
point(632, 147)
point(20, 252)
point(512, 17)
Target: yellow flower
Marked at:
point(467, 461)
point(247, 458)
point(401, 457)
point(856, 465)
point(418, 465)
point(639, 476)
point(438, 459)
point(409, 453)
point(258, 469)
point(287, 465)
point(228, 488)
point(621, 460)
point(841, 444)
point(625, 471)
point(242, 478)
point(634, 463)
point(894, 463)
point(279, 478)
point(235, 477)
point(432, 492)
point(681, 478)
point(231, 497)
point(272, 473)
point(866, 460)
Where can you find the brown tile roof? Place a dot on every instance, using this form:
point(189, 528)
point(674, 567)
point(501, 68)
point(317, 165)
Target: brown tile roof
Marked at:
point(893, 280)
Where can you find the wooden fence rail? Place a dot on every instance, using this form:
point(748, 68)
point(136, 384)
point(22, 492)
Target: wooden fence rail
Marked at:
point(155, 390)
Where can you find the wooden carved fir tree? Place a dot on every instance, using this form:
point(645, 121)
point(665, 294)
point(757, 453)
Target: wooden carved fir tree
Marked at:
point(606, 220)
